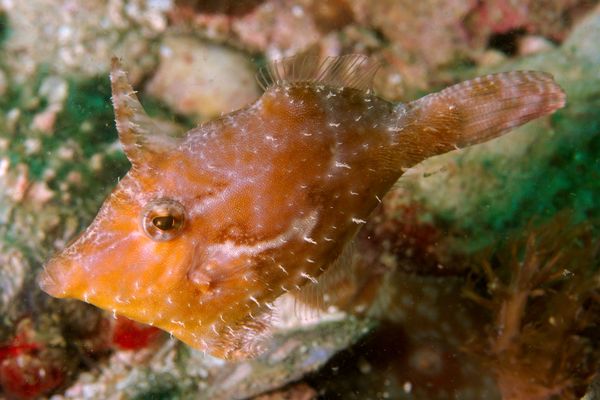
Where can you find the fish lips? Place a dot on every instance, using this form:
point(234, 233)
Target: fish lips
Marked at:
point(52, 278)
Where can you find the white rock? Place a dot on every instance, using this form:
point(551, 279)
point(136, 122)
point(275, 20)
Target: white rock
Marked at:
point(202, 79)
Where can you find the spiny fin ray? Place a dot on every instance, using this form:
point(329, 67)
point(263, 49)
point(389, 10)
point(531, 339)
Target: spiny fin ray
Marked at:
point(139, 134)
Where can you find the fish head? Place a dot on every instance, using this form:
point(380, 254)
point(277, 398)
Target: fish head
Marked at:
point(181, 243)
point(155, 252)
point(136, 250)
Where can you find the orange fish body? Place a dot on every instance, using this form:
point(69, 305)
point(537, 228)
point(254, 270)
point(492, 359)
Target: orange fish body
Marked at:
point(206, 231)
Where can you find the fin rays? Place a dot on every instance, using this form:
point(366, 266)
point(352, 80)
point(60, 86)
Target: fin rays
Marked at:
point(352, 70)
point(475, 111)
point(246, 338)
point(316, 297)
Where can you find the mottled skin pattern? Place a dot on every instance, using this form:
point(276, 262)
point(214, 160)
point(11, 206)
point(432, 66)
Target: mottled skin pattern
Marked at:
point(272, 195)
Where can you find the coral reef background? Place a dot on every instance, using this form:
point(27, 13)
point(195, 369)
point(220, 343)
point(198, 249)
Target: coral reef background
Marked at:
point(478, 277)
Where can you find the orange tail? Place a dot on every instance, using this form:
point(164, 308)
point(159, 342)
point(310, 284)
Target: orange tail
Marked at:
point(477, 110)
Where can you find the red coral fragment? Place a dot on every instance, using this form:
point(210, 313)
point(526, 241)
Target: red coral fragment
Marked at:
point(27, 376)
point(131, 335)
point(26, 369)
point(15, 349)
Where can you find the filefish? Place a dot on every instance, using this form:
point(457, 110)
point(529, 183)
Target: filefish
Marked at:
point(208, 229)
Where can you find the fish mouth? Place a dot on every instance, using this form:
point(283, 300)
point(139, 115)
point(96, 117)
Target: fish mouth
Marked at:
point(48, 281)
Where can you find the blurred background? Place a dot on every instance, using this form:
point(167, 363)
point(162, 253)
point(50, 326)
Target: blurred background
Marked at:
point(477, 278)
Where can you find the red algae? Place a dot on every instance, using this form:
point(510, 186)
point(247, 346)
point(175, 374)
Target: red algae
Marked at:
point(27, 369)
point(542, 292)
point(26, 376)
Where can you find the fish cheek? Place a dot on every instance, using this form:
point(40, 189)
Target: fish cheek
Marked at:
point(142, 282)
point(152, 267)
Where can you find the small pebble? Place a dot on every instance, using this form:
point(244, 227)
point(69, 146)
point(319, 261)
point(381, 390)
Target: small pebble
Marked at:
point(201, 79)
point(532, 44)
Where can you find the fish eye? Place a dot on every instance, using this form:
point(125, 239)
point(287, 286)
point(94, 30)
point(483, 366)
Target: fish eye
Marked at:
point(163, 219)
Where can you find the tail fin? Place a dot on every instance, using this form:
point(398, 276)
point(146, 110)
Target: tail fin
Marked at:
point(477, 110)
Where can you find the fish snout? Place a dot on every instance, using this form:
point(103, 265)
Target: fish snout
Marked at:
point(48, 283)
point(56, 278)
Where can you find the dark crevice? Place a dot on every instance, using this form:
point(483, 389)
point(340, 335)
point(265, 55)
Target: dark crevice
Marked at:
point(507, 42)
point(227, 7)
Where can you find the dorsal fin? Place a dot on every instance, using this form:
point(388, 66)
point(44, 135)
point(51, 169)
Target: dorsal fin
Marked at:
point(140, 135)
point(351, 70)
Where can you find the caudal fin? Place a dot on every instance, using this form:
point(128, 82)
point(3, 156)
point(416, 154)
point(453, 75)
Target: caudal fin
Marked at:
point(477, 110)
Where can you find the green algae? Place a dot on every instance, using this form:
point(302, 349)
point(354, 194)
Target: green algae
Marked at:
point(166, 391)
point(4, 28)
point(53, 189)
point(541, 169)
point(567, 177)
point(499, 194)
point(85, 124)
